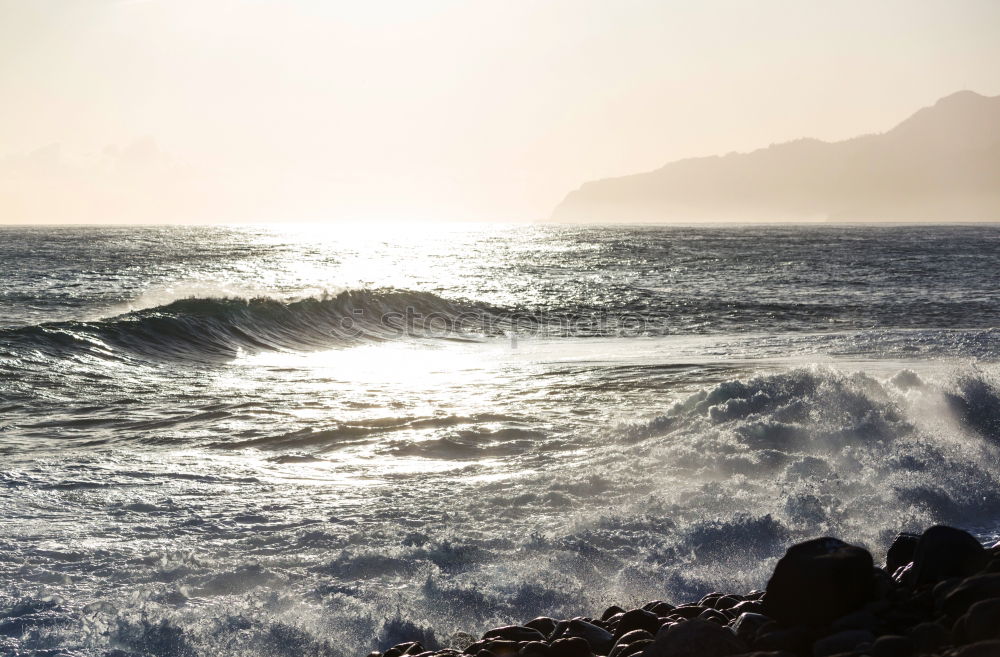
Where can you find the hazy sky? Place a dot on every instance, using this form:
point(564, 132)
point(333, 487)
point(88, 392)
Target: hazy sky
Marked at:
point(261, 110)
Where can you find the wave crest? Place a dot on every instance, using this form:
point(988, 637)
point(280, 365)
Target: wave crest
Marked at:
point(222, 328)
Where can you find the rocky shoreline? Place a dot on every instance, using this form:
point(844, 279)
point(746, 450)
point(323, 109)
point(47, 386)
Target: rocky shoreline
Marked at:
point(937, 593)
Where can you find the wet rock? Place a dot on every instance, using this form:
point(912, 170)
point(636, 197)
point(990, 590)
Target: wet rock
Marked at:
point(842, 642)
point(612, 611)
point(901, 552)
point(859, 620)
point(980, 623)
point(904, 575)
point(726, 602)
point(570, 647)
point(598, 638)
point(747, 626)
point(543, 624)
point(638, 619)
point(892, 645)
point(714, 616)
point(688, 611)
point(661, 608)
point(633, 648)
point(818, 581)
point(408, 648)
point(749, 607)
point(709, 599)
point(611, 624)
point(793, 639)
point(970, 591)
point(502, 647)
point(928, 637)
point(695, 638)
point(535, 649)
point(981, 649)
point(633, 636)
point(515, 633)
point(944, 552)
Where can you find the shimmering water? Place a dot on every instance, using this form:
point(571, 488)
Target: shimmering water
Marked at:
point(273, 441)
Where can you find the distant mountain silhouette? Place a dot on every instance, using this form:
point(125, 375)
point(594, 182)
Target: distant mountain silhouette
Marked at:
point(942, 163)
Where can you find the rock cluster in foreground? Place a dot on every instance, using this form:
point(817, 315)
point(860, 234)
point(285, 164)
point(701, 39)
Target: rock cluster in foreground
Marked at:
point(937, 594)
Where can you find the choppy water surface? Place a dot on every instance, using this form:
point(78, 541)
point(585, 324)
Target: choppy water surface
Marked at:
point(273, 441)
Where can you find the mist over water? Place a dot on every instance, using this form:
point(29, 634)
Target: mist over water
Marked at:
point(263, 441)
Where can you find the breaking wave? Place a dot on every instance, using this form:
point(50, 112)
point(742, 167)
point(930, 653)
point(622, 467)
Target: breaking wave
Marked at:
point(221, 328)
point(704, 496)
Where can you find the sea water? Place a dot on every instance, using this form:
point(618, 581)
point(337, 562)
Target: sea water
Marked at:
point(322, 440)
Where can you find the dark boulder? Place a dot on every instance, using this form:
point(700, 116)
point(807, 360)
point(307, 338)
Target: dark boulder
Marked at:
point(661, 608)
point(928, 638)
point(726, 602)
point(633, 636)
point(407, 648)
point(475, 647)
point(747, 625)
point(695, 638)
point(633, 648)
point(611, 611)
point(981, 649)
point(901, 552)
point(638, 619)
point(892, 645)
point(840, 642)
point(543, 624)
point(714, 616)
point(980, 623)
point(570, 647)
point(818, 581)
point(687, 611)
point(944, 552)
point(501, 647)
point(535, 649)
point(970, 591)
point(749, 607)
point(515, 633)
point(858, 620)
point(598, 638)
point(792, 639)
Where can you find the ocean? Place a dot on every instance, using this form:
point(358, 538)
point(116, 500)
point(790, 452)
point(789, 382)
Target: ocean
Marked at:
point(303, 440)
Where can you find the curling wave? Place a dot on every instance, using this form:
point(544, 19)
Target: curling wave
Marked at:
point(222, 328)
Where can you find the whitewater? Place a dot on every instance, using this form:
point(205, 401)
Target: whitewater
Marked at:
point(281, 440)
